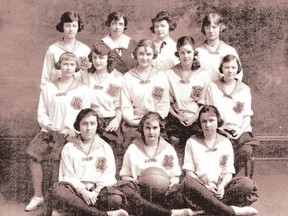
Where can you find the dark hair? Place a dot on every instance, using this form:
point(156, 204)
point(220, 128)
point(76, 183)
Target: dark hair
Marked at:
point(82, 114)
point(154, 116)
point(207, 109)
point(229, 58)
point(67, 56)
point(145, 43)
point(101, 48)
point(182, 41)
point(70, 17)
point(213, 17)
point(163, 15)
point(116, 16)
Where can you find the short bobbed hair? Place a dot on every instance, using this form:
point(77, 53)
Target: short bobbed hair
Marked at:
point(163, 15)
point(211, 110)
point(116, 16)
point(68, 17)
point(67, 56)
point(101, 48)
point(229, 58)
point(213, 18)
point(145, 43)
point(151, 116)
point(182, 41)
point(82, 114)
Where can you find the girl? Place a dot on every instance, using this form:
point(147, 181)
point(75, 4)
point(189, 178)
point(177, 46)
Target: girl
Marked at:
point(144, 88)
point(233, 100)
point(60, 102)
point(162, 25)
point(208, 163)
point(187, 80)
point(87, 172)
point(214, 49)
point(70, 24)
point(121, 45)
point(105, 83)
point(151, 150)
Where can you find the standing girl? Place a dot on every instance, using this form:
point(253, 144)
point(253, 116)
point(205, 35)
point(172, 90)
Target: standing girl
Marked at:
point(187, 80)
point(233, 100)
point(70, 24)
point(60, 102)
point(105, 83)
point(208, 163)
point(214, 49)
point(144, 89)
point(162, 25)
point(87, 173)
point(121, 45)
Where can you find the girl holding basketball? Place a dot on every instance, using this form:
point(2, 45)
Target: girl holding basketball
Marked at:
point(208, 163)
point(151, 150)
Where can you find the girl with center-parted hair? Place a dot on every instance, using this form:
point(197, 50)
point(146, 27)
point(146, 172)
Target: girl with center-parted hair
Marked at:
point(187, 81)
point(214, 48)
point(70, 24)
point(105, 83)
point(209, 168)
point(120, 45)
point(162, 24)
point(233, 100)
point(87, 174)
point(144, 89)
point(59, 103)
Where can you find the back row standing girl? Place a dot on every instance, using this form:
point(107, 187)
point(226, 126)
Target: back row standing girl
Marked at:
point(70, 24)
point(211, 52)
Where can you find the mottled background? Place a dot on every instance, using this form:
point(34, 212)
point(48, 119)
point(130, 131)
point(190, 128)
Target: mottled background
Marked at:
point(257, 29)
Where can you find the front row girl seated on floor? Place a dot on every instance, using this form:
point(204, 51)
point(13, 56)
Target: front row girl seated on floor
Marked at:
point(87, 172)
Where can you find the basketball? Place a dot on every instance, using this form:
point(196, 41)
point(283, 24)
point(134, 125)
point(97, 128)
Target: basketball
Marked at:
point(155, 177)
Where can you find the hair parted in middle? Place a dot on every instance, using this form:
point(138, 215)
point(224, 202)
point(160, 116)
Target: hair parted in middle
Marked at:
point(163, 15)
point(229, 58)
point(67, 56)
point(116, 16)
point(101, 48)
point(69, 17)
point(184, 40)
point(145, 43)
point(150, 116)
point(213, 18)
point(81, 115)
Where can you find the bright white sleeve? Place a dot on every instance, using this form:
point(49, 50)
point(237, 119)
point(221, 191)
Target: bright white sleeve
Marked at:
point(126, 165)
point(163, 106)
point(43, 115)
point(188, 157)
point(126, 103)
point(48, 67)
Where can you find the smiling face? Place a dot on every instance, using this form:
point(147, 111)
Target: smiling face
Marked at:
point(151, 130)
point(209, 124)
point(162, 29)
point(70, 29)
point(68, 67)
point(212, 32)
point(186, 54)
point(100, 62)
point(117, 27)
point(230, 70)
point(88, 127)
point(144, 56)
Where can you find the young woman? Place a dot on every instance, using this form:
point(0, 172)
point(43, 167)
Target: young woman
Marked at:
point(187, 81)
point(214, 49)
point(121, 45)
point(60, 102)
point(87, 172)
point(233, 100)
point(151, 150)
point(70, 24)
point(208, 164)
point(105, 83)
point(162, 25)
point(144, 89)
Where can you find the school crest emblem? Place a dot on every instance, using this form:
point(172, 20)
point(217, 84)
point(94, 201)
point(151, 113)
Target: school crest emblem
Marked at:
point(158, 92)
point(196, 92)
point(101, 164)
point(113, 90)
point(168, 161)
point(76, 103)
point(223, 160)
point(238, 108)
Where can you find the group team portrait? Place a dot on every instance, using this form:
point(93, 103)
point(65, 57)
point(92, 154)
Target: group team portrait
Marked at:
point(134, 108)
